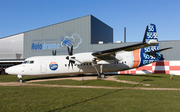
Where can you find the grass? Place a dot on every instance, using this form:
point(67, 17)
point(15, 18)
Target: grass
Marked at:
point(156, 80)
point(37, 99)
point(87, 83)
point(50, 99)
point(8, 78)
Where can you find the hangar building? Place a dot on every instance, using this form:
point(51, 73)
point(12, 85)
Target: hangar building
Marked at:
point(87, 34)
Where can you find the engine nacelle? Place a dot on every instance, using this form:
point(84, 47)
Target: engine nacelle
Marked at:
point(118, 57)
point(83, 58)
point(105, 62)
point(89, 58)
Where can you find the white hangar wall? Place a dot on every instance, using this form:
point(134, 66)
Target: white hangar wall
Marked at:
point(171, 54)
point(12, 47)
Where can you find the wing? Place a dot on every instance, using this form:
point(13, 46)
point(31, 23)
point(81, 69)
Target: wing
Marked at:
point(108, 54)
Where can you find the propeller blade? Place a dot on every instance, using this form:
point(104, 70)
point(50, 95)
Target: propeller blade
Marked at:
point(69, 64)
point(71, 49)
point(68, 50)
point(54, 52)
point(67, 57)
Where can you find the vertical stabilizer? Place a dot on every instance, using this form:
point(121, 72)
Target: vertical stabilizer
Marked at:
point(150, 34)
point(145, 34)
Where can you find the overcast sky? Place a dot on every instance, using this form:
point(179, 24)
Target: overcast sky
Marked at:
point(18, 16)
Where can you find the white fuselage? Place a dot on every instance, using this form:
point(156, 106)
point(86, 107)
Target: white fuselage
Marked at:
point(59, 65)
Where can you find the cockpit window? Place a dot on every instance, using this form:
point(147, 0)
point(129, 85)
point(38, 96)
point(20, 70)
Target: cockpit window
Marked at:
point(28, 62)
point(25, 62)
point(31, 62)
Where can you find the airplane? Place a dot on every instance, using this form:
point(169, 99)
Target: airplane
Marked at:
point(111, 60)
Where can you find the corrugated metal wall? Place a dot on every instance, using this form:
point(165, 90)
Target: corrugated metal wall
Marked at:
point(171, 54)
point(12, 47)
point(77, 32)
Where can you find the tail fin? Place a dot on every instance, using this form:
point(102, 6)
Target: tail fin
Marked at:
point(150, 34)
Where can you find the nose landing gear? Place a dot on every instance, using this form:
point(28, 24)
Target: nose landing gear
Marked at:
point(20, 78)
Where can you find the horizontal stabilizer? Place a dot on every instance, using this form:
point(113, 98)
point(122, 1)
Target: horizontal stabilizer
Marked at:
point(153, 53)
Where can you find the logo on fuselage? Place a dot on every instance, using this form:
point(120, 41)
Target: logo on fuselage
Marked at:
point(53, 66)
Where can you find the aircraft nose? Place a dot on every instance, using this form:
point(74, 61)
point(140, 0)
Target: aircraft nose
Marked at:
point(14, 70)
point(7, 70)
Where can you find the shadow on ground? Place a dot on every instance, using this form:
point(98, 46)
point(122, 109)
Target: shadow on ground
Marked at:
point(144, 75)
point(91, 75)
point(54, 77)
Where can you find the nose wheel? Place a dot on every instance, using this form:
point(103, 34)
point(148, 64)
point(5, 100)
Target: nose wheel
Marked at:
point(20, 78)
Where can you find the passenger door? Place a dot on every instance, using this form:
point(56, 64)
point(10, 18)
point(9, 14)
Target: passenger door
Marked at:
point(43, 68)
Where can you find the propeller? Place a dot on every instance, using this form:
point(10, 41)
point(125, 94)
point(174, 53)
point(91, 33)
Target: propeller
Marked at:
point(54, 52)
point(70, 58)
point(70, 51)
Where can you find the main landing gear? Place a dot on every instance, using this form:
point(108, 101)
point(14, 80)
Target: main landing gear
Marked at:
point(20, 78)
point(100, 74)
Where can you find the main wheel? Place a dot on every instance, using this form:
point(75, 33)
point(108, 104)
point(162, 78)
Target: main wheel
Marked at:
point(102, 75)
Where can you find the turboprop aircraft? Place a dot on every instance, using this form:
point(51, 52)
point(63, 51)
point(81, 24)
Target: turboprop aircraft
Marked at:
point(111, 60)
